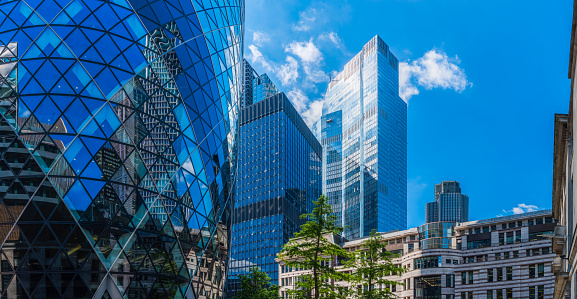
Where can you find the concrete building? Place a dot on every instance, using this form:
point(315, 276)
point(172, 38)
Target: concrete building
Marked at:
point(364, 139)
point(450, 204)
point(564, 209)
point(498, 258)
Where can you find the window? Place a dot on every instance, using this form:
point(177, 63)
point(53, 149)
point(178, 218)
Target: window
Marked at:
point(519, 223)
point(518, 236)
point(499, 294)
point(428, 262)
point(490, 294)
point(499, 274)
point(510, 239)
point(545, 250)
point(506, 255)
point(512, 224)
point(531, 271)
point(502, 239)
point(509, 273)
point(537, 292)
point(541, 270)
point(470, 295)
point(449, 280)
point(531, 222)
point(509, 293)
point(463, 277)
point(515, 254)
point(540, 292)
point(539, 220)
point(485, 229)
point(493, 227)
point(497, 256)
point(490, 275)
point(471, 277)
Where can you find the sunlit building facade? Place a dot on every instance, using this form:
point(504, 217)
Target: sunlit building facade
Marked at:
point(364, 139)
point(279, 178)
point(500, 258)
point(118, 131)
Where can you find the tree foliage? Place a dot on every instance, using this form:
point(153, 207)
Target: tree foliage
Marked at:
point(372, 263)
point(256, 285)
point(310, 249)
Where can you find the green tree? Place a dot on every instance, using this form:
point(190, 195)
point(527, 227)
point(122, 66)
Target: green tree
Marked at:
point(372, 263)
point(256, 285)
point(310, 249)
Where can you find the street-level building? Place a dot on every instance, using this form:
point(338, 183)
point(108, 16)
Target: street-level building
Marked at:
point(564, 209)
point(499, 258)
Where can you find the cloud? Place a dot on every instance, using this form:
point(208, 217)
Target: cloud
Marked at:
point(259, 37)
point(256, 57)
point(288, 72)
point(522, 208)
point(306, 19)
point(334, 38)
point(310, 111)
point(434, 70)
point(311, 59)
point(306, 51)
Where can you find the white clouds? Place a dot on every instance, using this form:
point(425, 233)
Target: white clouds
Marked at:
point(435, 69)
point(288, 72)
point(310, 111)
point(259, 38)
point(311, 60)
point(257, 57)
point(334, 38)
point(306, 19)
point(306, 51)
point(522, 208)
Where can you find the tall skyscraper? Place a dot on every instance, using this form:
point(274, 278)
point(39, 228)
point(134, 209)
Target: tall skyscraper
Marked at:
point(450, 204)
point(364, 138)
point(279, 177)
point(256, 87)
point(118, 125)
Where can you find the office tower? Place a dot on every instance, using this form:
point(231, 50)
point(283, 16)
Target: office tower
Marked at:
point(263, 88)
point(364, 138)
point(450, 204)
point(432, 212)
point(118, 125)
point(256, 87)
point(247, 86)
point(497, 258)
point(279, 178)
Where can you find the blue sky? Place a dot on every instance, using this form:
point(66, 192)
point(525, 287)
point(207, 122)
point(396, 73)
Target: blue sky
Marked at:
point(483, 80)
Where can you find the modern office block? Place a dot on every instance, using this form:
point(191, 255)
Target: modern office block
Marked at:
point(118, 125)
point(499, 258)
point(256, 87)
point(431, 212)
point(364, 139)
point(263, 88)
point(450, 204)
point(279, 178)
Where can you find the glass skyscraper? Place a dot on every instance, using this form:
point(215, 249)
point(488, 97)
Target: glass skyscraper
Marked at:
point(118, 131)
point(279, 177)
point(256, 87)
point(450, 204)
point(364, 139)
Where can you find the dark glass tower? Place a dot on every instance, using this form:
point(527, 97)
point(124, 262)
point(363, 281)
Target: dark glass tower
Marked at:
point(450, 204)
point(118, 125)
point(279, 177)
point(364, 137)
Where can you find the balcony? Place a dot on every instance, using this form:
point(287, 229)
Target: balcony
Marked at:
point(559, 239)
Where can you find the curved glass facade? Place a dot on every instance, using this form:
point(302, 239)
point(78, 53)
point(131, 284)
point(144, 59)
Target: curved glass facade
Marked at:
point(437, 235)
point(117, 146)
